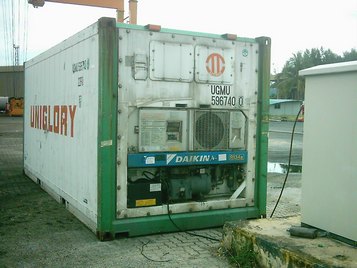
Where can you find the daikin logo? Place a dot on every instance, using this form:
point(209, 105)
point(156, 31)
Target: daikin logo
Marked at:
point(169, 158)
point(189, 159)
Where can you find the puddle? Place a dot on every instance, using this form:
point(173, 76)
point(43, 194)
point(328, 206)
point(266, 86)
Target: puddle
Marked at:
point(283, 168)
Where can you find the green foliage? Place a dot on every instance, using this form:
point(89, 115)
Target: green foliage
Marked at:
point(349, 56)
point(273, 96)
point(242, 255)
point(292, 86)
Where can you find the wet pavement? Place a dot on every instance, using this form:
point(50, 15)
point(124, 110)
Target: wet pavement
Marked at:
point(279, 142)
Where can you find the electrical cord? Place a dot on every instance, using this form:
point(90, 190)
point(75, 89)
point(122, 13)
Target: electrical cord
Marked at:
point(289, 164)
point(168, 213)
point(142, 253)
point(180, 229)
point(147, 172)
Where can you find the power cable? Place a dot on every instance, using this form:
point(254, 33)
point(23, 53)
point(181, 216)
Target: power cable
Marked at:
point(142, 253)
point(180, 229)
point(160, 178)
point(289, 164)
point(189, 233)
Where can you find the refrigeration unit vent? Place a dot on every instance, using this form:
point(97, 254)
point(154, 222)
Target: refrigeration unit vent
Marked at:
point(210, 130)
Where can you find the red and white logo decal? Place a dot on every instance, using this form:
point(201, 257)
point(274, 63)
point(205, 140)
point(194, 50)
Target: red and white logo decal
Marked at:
point(215, 64)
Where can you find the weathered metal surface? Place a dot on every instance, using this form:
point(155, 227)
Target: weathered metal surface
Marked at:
point(117, 103)
point(190, 71)
point(107, 124)
point(263, 122)
point(61, 120)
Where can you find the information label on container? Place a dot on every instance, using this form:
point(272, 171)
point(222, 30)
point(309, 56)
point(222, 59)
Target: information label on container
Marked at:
point(150, 160)
point(155, 187)
point(222, 157)
point(153, 129)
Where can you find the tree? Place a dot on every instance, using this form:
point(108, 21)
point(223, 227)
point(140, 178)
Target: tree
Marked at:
point(349, 56)
point(290, 85)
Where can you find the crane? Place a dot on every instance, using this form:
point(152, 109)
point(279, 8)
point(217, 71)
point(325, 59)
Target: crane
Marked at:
point(117, 4)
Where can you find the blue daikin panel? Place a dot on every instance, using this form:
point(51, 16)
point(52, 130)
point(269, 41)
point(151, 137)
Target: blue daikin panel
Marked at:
point(187, 158)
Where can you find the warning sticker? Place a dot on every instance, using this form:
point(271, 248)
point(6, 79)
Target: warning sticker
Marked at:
point(153, 132)
point(145, 202)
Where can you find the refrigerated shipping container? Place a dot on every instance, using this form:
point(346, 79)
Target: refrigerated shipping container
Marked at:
point(127, 125)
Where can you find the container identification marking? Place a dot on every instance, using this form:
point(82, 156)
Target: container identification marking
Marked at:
point(56, 119)
point(80, 81)
point(80, 66)
point(237, 157)
point(221, 96)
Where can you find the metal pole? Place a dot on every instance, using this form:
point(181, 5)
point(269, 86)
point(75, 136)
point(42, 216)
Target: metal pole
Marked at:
point(133, 11)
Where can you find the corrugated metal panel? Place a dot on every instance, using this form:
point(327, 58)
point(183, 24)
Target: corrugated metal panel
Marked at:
point(12, 81)
point(61, 121)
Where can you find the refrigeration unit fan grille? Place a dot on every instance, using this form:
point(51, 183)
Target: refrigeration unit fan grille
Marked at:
point(211, 130)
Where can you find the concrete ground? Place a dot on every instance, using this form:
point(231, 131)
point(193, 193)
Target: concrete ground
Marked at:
point(36, 231)
point(275, 247)
point(270, 237)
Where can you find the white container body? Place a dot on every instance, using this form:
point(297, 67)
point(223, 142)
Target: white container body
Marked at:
point(60, 122)
point(119, 121)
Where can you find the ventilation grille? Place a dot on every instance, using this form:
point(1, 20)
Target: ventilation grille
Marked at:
point(210, 130)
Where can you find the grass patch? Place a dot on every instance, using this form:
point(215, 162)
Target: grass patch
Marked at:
point(242, 255)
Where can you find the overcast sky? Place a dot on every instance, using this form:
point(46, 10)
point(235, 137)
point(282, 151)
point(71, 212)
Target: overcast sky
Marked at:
point(292, 25)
